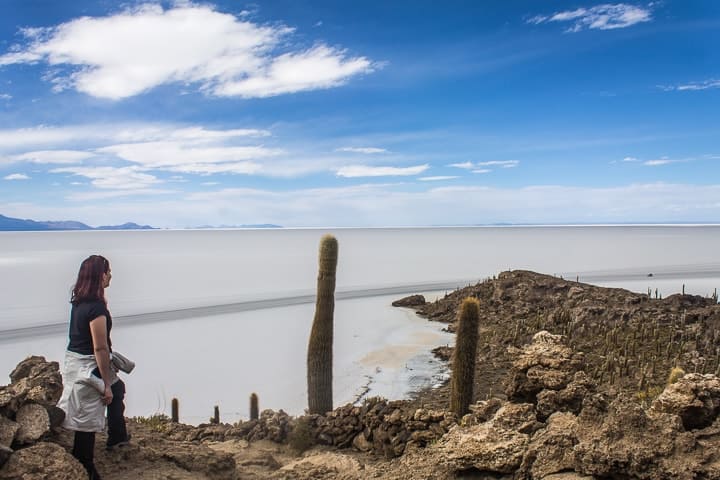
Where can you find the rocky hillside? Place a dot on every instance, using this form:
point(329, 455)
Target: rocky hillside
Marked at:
point(572, 383)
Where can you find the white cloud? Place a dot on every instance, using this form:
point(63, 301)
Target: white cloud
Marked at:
point(108, 194)
point(53, 156)
point(46, 136)
point(131, 52)
point(499, 163)
point(630, 159)
point(464, 165)
point(692, 86)
point(16, 176)
point(655, 163)
point(438, 178)
point(5, 96)
point(366, 150)
point(180, 157)
point(353, 171)
point(398, 204)
point(600, 17)
point(116, 178)
point(479, 166)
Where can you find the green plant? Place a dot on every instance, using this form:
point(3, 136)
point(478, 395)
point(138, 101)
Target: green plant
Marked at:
point(301, 437)
point(463, 368)
point(320, 345)
point(254, 410)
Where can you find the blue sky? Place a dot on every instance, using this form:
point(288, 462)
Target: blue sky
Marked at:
point(326, 113)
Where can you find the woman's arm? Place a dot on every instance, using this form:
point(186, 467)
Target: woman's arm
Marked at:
point(98, 330)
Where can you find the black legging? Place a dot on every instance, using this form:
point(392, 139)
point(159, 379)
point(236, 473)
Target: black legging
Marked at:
point(84, 445)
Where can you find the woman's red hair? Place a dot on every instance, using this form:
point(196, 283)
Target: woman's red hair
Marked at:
point(89, 285)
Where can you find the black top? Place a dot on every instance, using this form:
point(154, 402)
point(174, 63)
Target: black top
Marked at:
point(80, 316)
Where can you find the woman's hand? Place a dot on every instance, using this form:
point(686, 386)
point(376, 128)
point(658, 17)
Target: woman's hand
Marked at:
point(108, 395)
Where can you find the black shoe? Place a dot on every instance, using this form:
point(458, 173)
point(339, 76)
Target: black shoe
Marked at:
point(122, 443)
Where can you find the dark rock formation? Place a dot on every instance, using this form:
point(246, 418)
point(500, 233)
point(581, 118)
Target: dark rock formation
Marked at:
point(411, 301)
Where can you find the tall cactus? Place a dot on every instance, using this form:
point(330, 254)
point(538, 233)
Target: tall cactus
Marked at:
point(254, 409)
point(175, 410)
point(320, 346)
point(463, 368)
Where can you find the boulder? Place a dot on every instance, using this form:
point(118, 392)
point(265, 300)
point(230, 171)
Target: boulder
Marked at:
point(551, 449)
point(496, 446)
point(568, 399)
point(624, 442)
point(5, 453)
point(34, 380)
point(325, 465)
point(545, 363)
point(695, 398)
point(411, 301)
point(44, 461)
point(8, 429)
point(34, 423)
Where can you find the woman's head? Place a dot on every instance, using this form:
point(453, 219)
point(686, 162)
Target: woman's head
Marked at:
point(93, 277)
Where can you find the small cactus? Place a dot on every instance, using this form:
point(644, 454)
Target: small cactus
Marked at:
point(320, 346)
point(254, 410)
point(675, 374)
point(175, 409)
point(463, 374)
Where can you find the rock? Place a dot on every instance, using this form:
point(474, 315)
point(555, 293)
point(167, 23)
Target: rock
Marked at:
point(34, 380)
point(495, 446)
point(44, 461)
point(695, 398)
point(200, 458)
point(326, 465)
point(362, 443)
point(411, 301)
point(57, 415)
point(8, 429)
point(5, 453)
point(569, 399)
point(34, 422)
point(546, 363)
point(551, 449)
point(626, 443)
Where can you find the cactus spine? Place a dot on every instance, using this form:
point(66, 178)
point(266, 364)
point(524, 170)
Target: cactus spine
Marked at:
point(463, 370)
point(254, 410)
point(320, 354)
point(175, 407)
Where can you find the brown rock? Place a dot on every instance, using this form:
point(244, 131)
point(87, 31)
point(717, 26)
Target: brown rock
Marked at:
point(44, 461)
point(551, 449)
point(34, 422)
point(33, 381)
point(411, 301)
point(8, 429)
point(695, 398)
point(200, 458)
point(362, 443)
point(494, 446)
point(5, 453)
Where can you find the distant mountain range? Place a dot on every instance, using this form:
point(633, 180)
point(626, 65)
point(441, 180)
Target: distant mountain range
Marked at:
point(21, 225)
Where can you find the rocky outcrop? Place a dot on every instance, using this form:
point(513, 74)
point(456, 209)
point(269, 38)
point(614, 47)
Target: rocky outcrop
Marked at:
point(547, 363)
point(28, 410)
point(44, 461)
point(694, 398)
point(34, 380)
point(411, 301)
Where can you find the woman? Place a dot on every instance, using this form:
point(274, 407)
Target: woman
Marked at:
point(90, 383)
